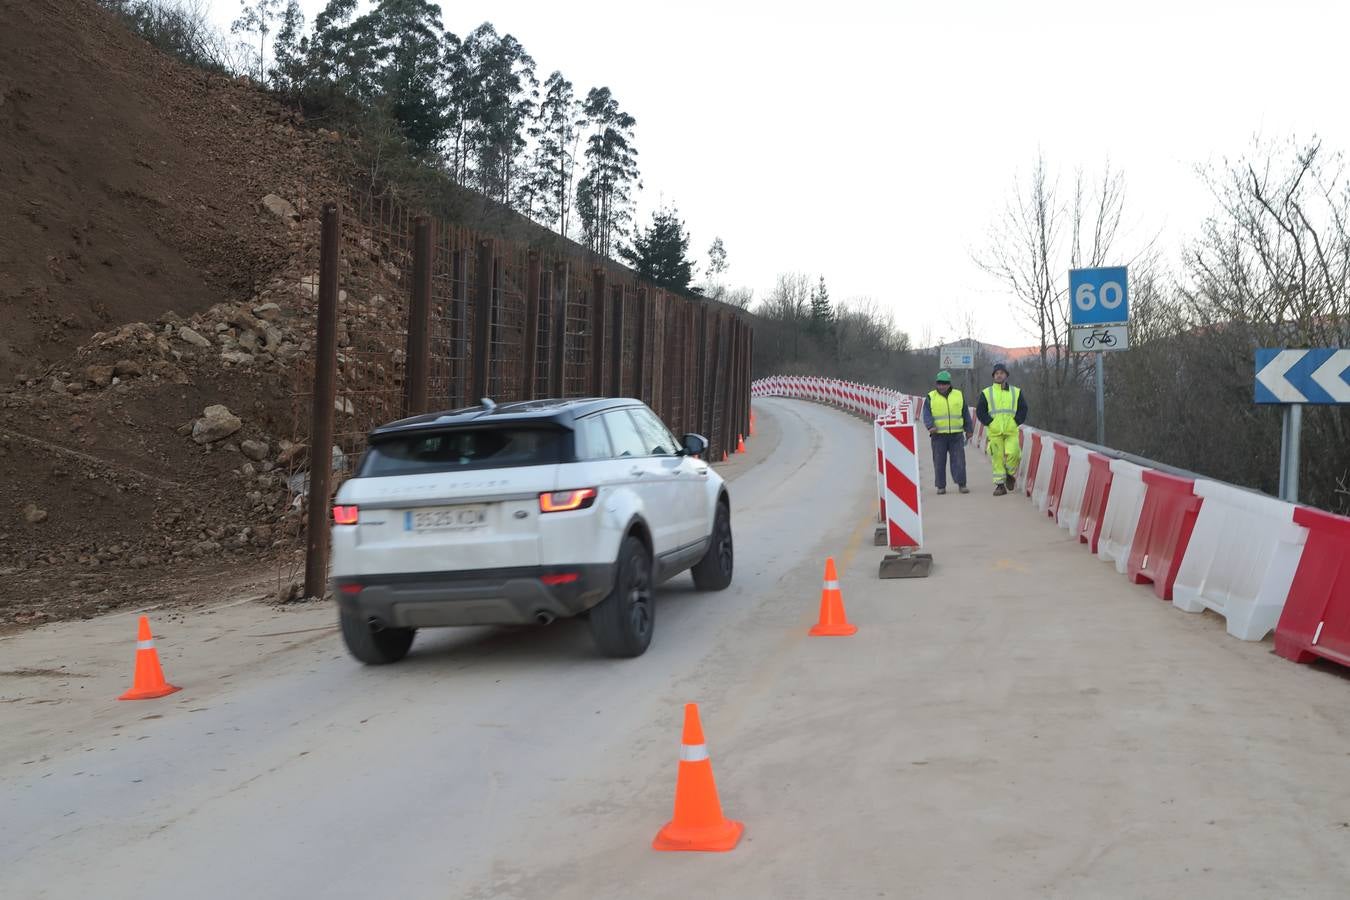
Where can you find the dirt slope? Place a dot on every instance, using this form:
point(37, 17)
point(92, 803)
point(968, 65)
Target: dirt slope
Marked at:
point(129, 184)
point(131, 191)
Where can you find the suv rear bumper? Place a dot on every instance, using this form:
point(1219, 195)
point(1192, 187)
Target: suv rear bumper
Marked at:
point(514, 596)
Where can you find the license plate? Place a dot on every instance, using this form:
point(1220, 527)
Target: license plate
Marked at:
point(450, 518)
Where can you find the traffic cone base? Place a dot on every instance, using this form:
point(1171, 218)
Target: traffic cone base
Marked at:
point(833, 621)
point(740, 443)
point(149, 693)
point(833, 630)
point(148, 681)
point(717, 839)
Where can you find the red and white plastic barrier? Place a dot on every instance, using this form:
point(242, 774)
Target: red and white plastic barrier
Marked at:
point(1075, 489)
point(1241, 559)
point(1059, 472)
point(1045, 464)
point(1316, 617)
point(1122, 513)
point(1095, 499)
point(1165, 525)
point(903, 503)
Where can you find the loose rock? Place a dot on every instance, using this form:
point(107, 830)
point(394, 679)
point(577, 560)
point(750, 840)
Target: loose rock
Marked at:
point(192, 337)
point(216, 423)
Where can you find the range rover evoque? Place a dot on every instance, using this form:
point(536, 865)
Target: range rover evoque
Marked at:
point(524, 513)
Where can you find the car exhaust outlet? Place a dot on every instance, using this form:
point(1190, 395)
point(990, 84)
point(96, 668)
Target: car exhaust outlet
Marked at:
point(544, 617)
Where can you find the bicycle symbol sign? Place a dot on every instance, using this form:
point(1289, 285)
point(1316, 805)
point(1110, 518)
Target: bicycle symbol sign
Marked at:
point(1099, 296)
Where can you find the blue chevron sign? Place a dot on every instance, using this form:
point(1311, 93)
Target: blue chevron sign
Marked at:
point(1303, 376)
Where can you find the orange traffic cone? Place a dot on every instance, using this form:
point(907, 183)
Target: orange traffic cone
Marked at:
point(752, 424)
point(698, 822)
point(724, 456)
point(833, 622)
point(740, 443)
point(148, 682)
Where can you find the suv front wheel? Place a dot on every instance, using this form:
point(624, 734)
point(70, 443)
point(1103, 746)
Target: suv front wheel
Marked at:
point(714, 570)
point(622, 623)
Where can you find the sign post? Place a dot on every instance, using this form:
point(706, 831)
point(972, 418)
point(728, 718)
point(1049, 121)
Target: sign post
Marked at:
point(1293, 378)
point(1099, 316)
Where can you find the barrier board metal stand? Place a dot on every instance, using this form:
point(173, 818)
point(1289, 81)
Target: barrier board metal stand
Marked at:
point(904, 515)
point(879, 536)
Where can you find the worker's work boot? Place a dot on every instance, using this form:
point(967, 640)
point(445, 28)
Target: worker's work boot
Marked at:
point(1000, 491)
point(1011, 482)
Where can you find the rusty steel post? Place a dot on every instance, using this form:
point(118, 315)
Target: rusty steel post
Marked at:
point(322, 411)
point(482, 320)
point(616, 341)
point(597, 332)
point(714, 335)
point(704, 339)
point(557, 384)
point(729, 382)
point(458, 326)
point(640, 350)
point(418, 371)
point(533, 277)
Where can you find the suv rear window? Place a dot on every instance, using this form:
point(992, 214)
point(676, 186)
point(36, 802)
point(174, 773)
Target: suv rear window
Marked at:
point(463, 449)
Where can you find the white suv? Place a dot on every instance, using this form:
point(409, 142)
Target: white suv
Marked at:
point(524, 513)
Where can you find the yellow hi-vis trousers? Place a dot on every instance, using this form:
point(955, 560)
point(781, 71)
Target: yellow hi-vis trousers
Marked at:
point(1006, 454)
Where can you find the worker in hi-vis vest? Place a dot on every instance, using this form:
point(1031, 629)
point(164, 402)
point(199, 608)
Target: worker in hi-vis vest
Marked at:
point(1003, 409)
point(947, 419)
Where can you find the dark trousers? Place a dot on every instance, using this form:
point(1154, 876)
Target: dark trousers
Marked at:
point(953, 445)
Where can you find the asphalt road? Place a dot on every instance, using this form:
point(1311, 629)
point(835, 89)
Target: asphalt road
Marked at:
point(1023, 723)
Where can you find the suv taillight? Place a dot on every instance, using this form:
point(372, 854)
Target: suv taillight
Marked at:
point(567, 501)
point(346, 515)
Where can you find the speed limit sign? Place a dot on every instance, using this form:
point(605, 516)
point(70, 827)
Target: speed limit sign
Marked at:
point(1099, 296)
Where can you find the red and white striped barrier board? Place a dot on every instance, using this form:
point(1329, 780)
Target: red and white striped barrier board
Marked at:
point(903, 504)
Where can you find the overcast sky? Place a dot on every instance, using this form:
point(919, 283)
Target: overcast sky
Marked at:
point(876, 143)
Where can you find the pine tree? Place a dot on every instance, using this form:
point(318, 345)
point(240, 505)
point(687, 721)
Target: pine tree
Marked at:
point(556, 131)
point(822, 314)
point(658, 253)
point(605, 194)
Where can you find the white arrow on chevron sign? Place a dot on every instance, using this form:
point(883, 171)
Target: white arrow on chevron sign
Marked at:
point(1328, 376)
point(1272, 376)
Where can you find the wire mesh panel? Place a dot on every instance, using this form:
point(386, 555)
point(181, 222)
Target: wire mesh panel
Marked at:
point(628, 370)
point(544, 341)
point(372, 320)
point(449, 288)
point(576, 360)
point(506, 342)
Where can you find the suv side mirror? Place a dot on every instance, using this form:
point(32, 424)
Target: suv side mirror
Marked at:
point(694, 445)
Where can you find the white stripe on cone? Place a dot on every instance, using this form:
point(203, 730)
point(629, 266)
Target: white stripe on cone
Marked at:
point(693, 752)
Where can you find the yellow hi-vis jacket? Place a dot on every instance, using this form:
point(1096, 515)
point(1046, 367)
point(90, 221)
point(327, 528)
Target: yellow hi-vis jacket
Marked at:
point(947, 411)
point(1002, 403)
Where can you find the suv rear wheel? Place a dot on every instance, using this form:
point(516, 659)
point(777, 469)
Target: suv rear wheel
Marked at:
point(622, 623)
point(372, 647)
point(714, 570)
